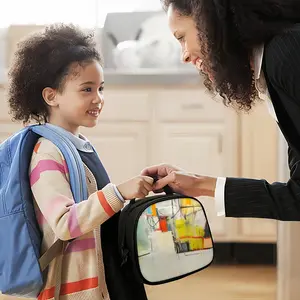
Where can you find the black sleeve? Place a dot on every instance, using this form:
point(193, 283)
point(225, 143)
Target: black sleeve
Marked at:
point(258, 198)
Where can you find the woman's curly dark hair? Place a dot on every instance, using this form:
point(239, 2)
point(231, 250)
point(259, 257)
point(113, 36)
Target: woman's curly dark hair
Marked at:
point(228, 32)
point(42, 60)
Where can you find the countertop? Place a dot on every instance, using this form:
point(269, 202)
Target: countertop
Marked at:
point(144, 77)
point(152, 77)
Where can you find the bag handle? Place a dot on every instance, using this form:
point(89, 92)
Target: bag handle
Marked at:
point(167, 190)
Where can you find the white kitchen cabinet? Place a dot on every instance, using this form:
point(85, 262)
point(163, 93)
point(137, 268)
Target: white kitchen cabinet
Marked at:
point(259, 152)
point(126, 105)
point(122, 148)
point(122, 135)
point(198, 149)
point(144, 126)
point(195, 147)
point(187, 104)
point(191, 132)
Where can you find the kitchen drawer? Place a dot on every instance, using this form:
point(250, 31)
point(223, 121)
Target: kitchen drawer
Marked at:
point(119, 105)
point(188, 105)
point(126, 105)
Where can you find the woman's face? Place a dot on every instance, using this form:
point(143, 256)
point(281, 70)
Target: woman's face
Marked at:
point(185, 31)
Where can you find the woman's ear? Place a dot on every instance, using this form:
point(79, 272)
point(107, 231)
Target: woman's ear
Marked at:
point(49, 95)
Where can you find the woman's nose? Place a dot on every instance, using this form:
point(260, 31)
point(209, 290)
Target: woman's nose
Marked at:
point(186, 57)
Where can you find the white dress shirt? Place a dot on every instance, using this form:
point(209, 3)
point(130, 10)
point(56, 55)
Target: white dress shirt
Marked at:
point(264, 94)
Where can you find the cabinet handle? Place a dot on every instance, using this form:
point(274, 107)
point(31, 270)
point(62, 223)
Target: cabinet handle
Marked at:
point(220, 143)
point(192, 106)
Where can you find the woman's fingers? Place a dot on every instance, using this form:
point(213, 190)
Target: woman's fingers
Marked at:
point(161, 183)
point(150, 171)
point(158, 171)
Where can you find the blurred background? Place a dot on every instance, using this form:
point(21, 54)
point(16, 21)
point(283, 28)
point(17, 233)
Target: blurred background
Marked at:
point(157, 110)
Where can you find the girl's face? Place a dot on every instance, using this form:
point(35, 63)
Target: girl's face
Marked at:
point(185, 31)
point(81, 101)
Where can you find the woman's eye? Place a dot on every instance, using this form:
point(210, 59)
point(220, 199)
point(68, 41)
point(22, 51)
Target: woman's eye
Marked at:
point(87, 90)
point(101, 89)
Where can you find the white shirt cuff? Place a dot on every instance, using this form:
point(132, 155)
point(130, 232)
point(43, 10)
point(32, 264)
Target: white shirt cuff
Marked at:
point(219, 196)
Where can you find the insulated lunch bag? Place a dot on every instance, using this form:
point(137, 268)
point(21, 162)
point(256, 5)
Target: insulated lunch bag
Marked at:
point(165, 237)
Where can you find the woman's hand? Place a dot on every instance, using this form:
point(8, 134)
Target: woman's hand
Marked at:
point(180, 181)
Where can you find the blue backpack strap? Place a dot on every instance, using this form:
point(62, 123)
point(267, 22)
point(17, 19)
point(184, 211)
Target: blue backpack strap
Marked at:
point(78, 187)
point(72, 157)
point(20, 272)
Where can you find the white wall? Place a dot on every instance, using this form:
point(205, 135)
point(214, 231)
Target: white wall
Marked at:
point(87, 13)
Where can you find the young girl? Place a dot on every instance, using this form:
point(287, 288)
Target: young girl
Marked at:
point(57, 78)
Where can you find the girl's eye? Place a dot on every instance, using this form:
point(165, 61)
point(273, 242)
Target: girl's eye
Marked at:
point(87, 90)
point(101, 88)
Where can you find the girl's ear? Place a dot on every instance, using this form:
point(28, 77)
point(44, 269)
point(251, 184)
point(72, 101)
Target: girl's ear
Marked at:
point(49, 95)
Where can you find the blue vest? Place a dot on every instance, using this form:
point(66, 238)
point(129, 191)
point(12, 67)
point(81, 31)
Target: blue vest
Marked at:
point(121, 282)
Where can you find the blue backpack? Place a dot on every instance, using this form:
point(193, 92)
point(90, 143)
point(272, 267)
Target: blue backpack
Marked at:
point(21, 264)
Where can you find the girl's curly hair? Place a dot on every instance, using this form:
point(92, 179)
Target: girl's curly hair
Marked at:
point(43, 59)
point(229, 30)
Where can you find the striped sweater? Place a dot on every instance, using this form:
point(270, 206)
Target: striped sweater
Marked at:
point(59, 217)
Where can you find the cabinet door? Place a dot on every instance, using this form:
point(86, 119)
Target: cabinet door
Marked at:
point(122, 148)
point(259, 160)
point(122, 135)
point(198, 149)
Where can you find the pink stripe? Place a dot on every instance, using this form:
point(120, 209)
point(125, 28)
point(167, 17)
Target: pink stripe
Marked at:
point(81, 245)
point(65, 166)
point(73, 224)
point(45, 165)
point(40, 218)
point(57, 205)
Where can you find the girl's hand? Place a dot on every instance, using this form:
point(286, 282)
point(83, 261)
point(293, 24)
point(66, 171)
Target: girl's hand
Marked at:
point(137, 187)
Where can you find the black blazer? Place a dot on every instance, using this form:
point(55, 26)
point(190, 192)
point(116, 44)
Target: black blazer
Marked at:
point(258, 198)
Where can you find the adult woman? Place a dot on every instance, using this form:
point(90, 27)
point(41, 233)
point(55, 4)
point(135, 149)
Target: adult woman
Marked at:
point(243, 47)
